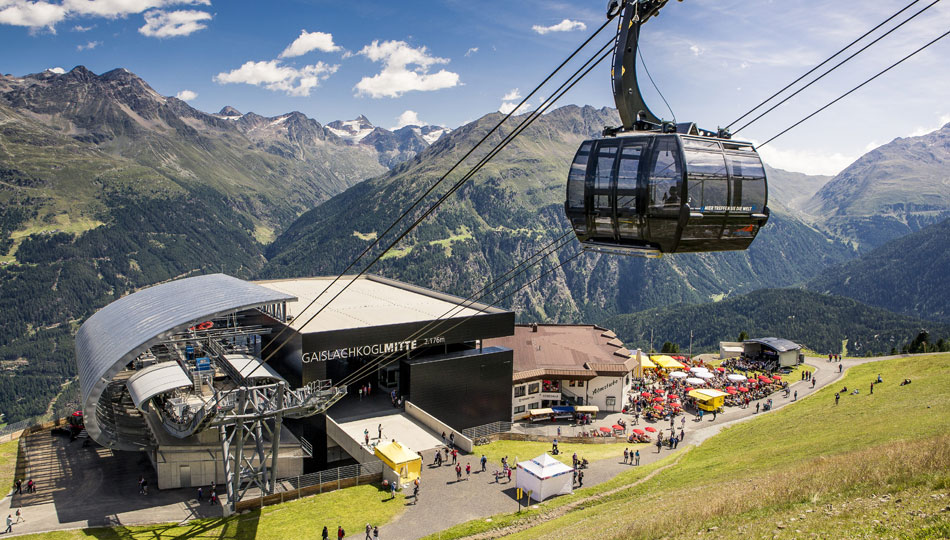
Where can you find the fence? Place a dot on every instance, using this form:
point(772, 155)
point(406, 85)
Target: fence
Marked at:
point(11, 431)
point(295, 487)
point(486, 430)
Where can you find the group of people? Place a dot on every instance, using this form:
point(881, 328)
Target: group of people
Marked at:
point(372, 532)
point(18, 486)
point(212, 495)
point(365, 390)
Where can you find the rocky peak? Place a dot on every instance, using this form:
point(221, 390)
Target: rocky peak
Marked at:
point(228, 110)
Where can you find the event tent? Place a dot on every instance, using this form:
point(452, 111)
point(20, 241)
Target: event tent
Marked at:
point(406, 463)
point(666, 362)
point(544, 477)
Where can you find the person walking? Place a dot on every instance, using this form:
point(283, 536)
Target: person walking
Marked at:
point(19, 515)
point(455, 456)
point(757, 404)
point(9, 524)
point(379, 430)
point(458, 473)
point(144, 486)
point(326, 533)
point(509, 475)
point(369, 532)
point(375, 532)
point(452, 439)
point(659, 445)
point(201, 494)
point(361, 399)
point(682, 434)
point(392, 490)
point(715, 411)
point(340, 533)
point(636, 457)
point(812, 382)
point(366, 436)
point(840, 367)
point(580, 479)
point(872, 388)
point(796, 396)
point(626, 455)
point(484, 461)
point(468, 471)
point(837, 397)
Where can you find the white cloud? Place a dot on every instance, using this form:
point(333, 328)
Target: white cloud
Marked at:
point(112, 9)
point(279, 78)
point(471, 51)
point(921, 130)
point(56, 70)
point(696, 50)
point(37, 14)
point(163, 24)
point(88, 46)
point(31, 14)
point(566, 25)
point(408, 118)
point(310, 41)
point(806, 161)
point(510, 101)
point(186, 95)
point(512, 95)
point(396, 78)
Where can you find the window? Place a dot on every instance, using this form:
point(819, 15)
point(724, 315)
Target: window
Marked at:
point(519, 409)
point(576, 178)
point(611, 403)
point(748, 181)
point(550, 386)
point(535, 405)
point(519, 390)
point(666, 177)
point(707, 181)
point(534, 388)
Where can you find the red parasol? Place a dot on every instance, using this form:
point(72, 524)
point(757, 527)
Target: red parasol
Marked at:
point(639, 431)
point(657, 399)
point(763, 378)
point(731, 391)
point(767, 380)
point(605, 429)
point(777, 377)
point(672, 396)
point(751, 379)
point(658, 391)
point(658, 407)
point(730, 387)
point(617, 427)
point(675, 406)
point(720, 369)
point(645, 394)
point(743, 389)
point(689, 389)
point(651, 429)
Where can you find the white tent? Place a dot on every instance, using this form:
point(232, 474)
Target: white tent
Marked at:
point(695, 381)
point(735, 377)
point(699, 369)
point(678, 375)
point(544, 476)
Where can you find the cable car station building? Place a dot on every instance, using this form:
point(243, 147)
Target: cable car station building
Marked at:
point(161, 370)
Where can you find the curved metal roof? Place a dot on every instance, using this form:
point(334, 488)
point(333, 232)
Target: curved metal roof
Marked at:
point(119, 332)
point(154, 380)
point(777, 344)
point(248, 365)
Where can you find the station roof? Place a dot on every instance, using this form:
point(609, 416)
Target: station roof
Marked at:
point(367, 301)
point(776, 344)
point(563, 351)
point(251, 366)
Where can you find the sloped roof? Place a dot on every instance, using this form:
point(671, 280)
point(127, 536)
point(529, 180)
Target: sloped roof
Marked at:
point(564, 351)
point(777, 344)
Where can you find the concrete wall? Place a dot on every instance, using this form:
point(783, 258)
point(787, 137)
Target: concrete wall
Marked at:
point(351, 446)
point(436, 425)
point(205, 464)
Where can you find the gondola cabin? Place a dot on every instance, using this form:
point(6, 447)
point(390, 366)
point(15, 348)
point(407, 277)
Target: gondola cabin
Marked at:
point(654, 193)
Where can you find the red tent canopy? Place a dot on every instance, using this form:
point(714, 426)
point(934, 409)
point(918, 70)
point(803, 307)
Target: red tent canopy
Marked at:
point(639, 431)
point(651, 429)
point(605, 429)
point(617, 427)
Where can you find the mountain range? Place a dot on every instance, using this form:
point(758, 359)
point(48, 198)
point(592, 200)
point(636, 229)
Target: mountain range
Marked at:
point(107, 186)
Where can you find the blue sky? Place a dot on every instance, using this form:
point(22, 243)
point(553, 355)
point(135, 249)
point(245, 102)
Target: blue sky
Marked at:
point(449, 62)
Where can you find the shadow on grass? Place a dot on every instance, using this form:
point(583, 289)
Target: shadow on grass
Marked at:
point(239, 527)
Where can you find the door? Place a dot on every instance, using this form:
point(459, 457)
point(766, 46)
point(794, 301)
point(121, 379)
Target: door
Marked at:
point(184, 476)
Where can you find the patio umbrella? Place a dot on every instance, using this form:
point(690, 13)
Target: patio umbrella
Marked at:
point(645, 394)
point(639, 431)
point(694, 381)
point(730, 387)
point(762, 377)
point(605, 429)
point(720, 369)
point(658, 391)
point(689, 389)
point(678, 375)
point(751, 379)
point(767, 380)
point(651, 429)
point(705, 375)
point(657, 399)
point(777, 377)
point(735, 377)
point(743, 389)
point(698, 369)
point(617, 427)
point(672, 396)
point(658, 407)
point(731, 391)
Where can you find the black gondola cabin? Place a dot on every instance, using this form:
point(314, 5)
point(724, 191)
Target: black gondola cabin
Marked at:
point(654, 193)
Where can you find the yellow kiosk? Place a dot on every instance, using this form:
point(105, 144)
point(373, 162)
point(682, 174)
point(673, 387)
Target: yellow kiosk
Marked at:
point(708, 399)
point(406, 463)
point(666, 362)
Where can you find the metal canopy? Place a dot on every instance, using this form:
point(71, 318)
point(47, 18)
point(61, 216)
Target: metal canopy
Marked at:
point(155, 380)
point(111, 338)
point(777, 344)
point(247, 366)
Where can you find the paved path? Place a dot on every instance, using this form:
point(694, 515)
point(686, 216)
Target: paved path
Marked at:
point(445, 502)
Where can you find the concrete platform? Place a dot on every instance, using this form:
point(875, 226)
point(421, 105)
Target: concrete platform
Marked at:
point(397, 426)
point(91, 486)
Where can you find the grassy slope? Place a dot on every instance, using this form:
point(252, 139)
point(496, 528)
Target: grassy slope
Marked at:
point(352, 508)
point(795, 462)
point(8, 454)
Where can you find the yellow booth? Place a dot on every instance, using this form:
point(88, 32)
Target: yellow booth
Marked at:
point(666, 362)
point(708, 399)
point(406, 463)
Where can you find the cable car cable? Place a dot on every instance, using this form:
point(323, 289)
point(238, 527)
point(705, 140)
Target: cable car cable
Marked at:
point(812, 70)
point(385, 361)
point(476, 297)
point(655, 87)
point(862, 49)
point(842, 96)
point(428, 191)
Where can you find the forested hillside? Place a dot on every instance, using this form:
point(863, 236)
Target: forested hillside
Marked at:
point(821, 322)
point(909, 275)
